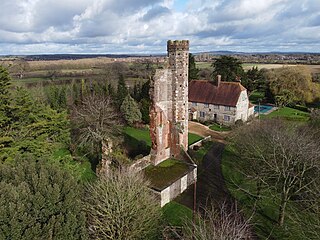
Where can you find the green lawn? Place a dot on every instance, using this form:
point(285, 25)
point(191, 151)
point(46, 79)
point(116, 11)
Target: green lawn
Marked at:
point(288, 114)
point(176, 214)
point(144, 135)
point(192, 138)
point(255, 96)
point(265, 209)
point(219, 128)
point(165, 173)
point(138, 134)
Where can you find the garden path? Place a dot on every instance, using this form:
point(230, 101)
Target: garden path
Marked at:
point(204, 131)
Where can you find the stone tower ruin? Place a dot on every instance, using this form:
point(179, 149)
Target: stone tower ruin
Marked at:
point(169, 109)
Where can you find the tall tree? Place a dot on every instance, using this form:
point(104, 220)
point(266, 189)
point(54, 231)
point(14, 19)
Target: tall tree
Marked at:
point(293, 83)
point(282, 159)
point(130, 110)
point(122, 91)
point(228, 67)
point(121, 206)
point(4, 97)
point(255, 80)
point(193, 70)
point(95, 120)
point(34, 128)
point(39, 201)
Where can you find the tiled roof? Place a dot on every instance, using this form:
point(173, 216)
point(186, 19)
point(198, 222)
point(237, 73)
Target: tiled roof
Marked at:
point(203, 91)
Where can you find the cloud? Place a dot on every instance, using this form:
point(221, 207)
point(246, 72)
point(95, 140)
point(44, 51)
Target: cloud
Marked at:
point(155, 12)
point(145, 25)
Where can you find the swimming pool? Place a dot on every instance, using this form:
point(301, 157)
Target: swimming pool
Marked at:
point(263, 108)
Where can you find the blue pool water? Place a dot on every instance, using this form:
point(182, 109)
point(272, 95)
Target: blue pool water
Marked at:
point(263, 108)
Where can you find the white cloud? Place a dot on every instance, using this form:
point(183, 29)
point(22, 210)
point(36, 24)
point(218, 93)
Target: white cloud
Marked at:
point(145, 25)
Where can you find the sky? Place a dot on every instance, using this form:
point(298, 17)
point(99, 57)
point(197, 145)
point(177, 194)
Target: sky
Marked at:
point(144, 26)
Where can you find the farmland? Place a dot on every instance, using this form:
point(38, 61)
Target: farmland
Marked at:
point(247, 66)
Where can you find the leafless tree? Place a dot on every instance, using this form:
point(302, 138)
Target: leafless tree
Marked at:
point(19, 67)
point(121, 206)
point(216, 224)
point(281, 158)
point(96, 120)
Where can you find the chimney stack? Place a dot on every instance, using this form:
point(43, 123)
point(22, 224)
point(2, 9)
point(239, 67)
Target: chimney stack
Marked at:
point(218, 80)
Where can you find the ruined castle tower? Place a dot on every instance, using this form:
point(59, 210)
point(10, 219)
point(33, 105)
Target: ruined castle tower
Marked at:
point(169, 109)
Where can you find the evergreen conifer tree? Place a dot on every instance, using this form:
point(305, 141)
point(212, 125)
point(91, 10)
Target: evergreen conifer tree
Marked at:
point(39, 201)
point(130, 110)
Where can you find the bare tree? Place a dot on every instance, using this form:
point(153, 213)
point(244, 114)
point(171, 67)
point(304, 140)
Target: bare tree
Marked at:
point(19, 67)
point(96, 125)
point(121, 206)
point(96, 119)
point(281, 158)
point(215, 224)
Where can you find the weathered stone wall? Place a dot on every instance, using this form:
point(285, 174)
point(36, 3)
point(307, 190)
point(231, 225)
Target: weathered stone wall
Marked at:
point(219, 113)
point(141, 164)
point(176, 188)
point(169, 109)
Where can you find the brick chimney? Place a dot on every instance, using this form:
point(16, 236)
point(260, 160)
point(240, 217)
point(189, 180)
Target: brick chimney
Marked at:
point(218, 81)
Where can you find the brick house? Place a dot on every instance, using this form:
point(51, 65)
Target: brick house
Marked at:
point(222, 102)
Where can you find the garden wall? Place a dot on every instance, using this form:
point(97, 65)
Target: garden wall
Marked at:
point(200, 142)
point(141, 163)
point(178, 187)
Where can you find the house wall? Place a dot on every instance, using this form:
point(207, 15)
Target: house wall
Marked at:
point(224, 114)
point(210, 110)
point(242, 107)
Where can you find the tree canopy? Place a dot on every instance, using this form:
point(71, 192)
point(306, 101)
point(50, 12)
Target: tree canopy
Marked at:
point(228, 67)
point(193, 70)
point(292, 85)
point(31, 127)
point(283, 159)
point(39, 201)
point(121, 206)
point(130, 110)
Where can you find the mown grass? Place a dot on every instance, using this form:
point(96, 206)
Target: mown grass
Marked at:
point(144, 135)
point(256, 96)
point(219, 127)
point(288, 114)
point(264, 209)
point(176, 214)
point(197, 156)
point(192, 138)
point(165, 173)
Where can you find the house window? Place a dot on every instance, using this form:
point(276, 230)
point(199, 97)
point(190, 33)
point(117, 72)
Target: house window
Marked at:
point(227, 108)
point(206, 105)
point(202, 114)
point(216, 107)
point(226, 118)
point(194, 104)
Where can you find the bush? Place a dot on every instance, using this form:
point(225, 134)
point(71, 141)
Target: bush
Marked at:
point(120, 206)
point(39, 201)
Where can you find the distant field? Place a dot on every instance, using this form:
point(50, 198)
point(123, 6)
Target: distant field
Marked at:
point(247, 66)
point(202, 65)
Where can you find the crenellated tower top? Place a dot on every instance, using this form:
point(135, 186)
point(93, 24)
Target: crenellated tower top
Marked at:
point(178, 45)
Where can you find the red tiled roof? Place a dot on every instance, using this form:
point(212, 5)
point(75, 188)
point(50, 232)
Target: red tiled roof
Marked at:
point(203, 91)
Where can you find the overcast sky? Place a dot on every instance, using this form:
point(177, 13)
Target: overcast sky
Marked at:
point(144, 26)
